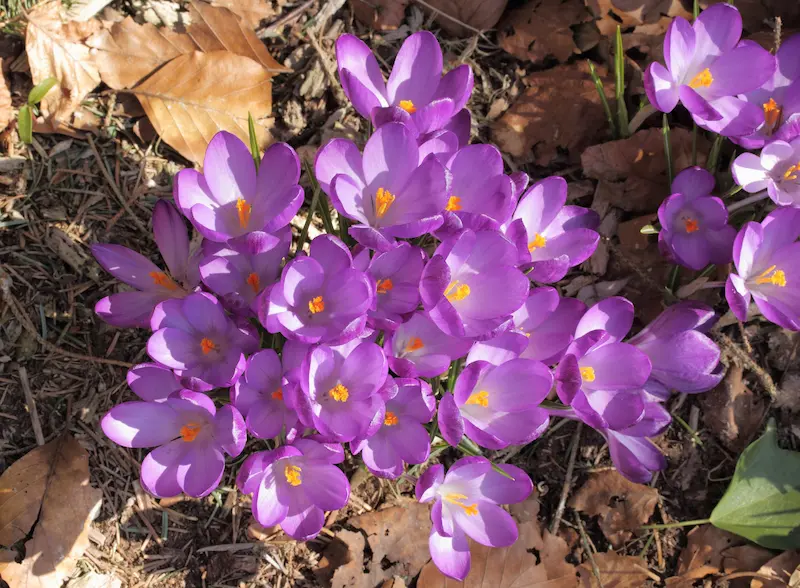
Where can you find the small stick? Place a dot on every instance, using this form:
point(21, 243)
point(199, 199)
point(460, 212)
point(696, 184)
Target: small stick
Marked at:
point(573, 452)
point(588, 548)
point(741, 356)
point(26, 389)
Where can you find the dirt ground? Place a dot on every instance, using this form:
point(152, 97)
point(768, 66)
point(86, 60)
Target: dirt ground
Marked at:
point(67, 193)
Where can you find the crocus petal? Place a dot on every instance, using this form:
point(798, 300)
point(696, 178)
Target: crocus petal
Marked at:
point(160, 469)
point(697, 105)
point(171, 237)
point(660, 88)
point(693, 182)
point(267, 509)
point(730, 80)
point(229, 430)
point(200, 470)
point(326, 486)
point(141, 424)
point(303, 521)
point(457, 85)
point(416, 71)
point(229, 169)
point(127, 265)
point(429, 482)
point(353, 55)
point(450, 554)
point(128, 309)
point(491, 526)
point(717, 30)
point(151, 382)
point(612, 315)
point(174, 348)
point(451, 425)
point(735, 117)
point(190, 188)
point(679, 47)
point(338, 156)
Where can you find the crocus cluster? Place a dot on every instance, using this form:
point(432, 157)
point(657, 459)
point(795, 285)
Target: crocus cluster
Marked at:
point(435, 320)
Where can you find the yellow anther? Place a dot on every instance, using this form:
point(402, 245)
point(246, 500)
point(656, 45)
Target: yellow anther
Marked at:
point(538, 242)
point(481, 398)
point(456, 291)
point(453, 203)
point(244, 209)
point(339, 393)
point(391, 419)
point(587, 374)
point(207, 345)
point(190, 431)
point(254, 282)
point(458, 500)
point(292, 474)
point(278, 394)
point(384, 286)
point(163, 280)
point(408, 106)
point(791, 173)
point(702, 80)
point(772, 115)
point(316, 304)
point(772, 276)
point(383, 201)
point(414, 344)
point(691, 225)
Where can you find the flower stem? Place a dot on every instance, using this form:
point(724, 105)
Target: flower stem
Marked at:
point(619, 74)
point(667, 148)
point(713, 157)
point(749, 200)
point(675, 525)
point(694, 130)
point(598, 83)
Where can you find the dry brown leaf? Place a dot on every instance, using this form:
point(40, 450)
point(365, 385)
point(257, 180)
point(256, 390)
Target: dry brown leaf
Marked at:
point(779, 570)
point(251, 11)
point(5, 100)
point(129, 52)
point(623, 506)
point(381, 15)
point(398, 541)
point(51, 483)
point(616, 571)
point(711, 551)
point(559, 110)
point(633, 13)
point(477, 14)
point(732, 411)
point(51, 54)
point(757, 13)
point(215, 28)
point(536, 560)
point(636, 169)
point(541, 28)
point(196, 95)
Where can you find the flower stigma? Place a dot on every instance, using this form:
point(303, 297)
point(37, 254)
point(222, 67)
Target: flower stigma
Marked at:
point(163, 280)
point(391, 419)
point(243, 209)
point(702, 80)
point(278, 394)
point(691, 225)
point(383, 201)
point(481, 398)
point(772, 115)
point(189, 432)
point(384, 286)
point(408, 106)
point(587, 374)
point(207, 345)
point(339, 393)
point(316, 304)
point(458, 500)
point(414, 344)
point(453, 203)
point(254, 282)
point(292, 474)
point(456, 291)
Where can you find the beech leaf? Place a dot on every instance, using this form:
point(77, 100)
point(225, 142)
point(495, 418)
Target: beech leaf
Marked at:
point(196, 95)
point(762, 502)
point(47, 492)
point(53, 53)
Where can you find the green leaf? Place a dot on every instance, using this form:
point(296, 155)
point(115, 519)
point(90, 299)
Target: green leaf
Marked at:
point(25, 124)
point(40, 90)
point(254, 150)
point(619, 75)
point(762, 502)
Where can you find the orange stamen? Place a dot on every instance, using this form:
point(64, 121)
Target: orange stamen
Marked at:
point(190, 431)
point(391, 419)
point(453, 204)
point(772, 276)
point(480, 398)
point(458, 500)
point(384, 286)
point(702, 80)
point(792, 172)
point(456, 291)
point(207, 345)
point(772, 115)
point(316, 304)
point(278, 394)
point(383, 201)
point(691, 225)
point(292, 474)
point(538, 242)
point(339, 393)
point(163, 280)
point(414, 344)
point(244, 209)
point(254, 282)
point(587, 374)
point(408, 106)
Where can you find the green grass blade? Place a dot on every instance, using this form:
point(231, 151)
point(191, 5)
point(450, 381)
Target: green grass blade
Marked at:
point(619, 75)
point(713, 157)
point(667, 147)
point(40, 90)
point(25, 124)
point(696, 9)
point(598, 83)
point(254, 150)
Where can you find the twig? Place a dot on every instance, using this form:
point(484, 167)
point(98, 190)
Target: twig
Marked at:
point(26, 389)
point(573, 452)
point(588, 549)
point(110, 181)
point(455, 20)
point(741, 356)
point(284, 20)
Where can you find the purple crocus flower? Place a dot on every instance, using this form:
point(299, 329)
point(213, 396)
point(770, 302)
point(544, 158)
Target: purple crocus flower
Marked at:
point(341, 390)
point(320, 298)
point(548, 321)
point(152, 382)
point(497, 406)
point(765, 255)
point(195, 337)
point(551, 237)
point(230, 199)
point(238, 271)
point(632, 452)
point(466, 503)
point(258, 395)
point(601, 377)
point(777, 170)
point(707, 66)
point(471, 286)
point(396, 274)
point(778, 99)
point(190, 436)
point(481, 196)
point(694, 224)
point(401, 438)
point(418, 348)
point(386, 191)
point(153, 285)
point(416, 94)
point(293, 486)
point(683, 358)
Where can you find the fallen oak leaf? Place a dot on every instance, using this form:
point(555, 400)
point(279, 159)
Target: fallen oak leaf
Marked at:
point(633, 13)
point(478, 15)
point(777, 572)
point(51, 483)
point(616, 571)
point(194, 96)
point(381, 15)
point(621, 505)
point(252, 12)
point(52, 54)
